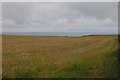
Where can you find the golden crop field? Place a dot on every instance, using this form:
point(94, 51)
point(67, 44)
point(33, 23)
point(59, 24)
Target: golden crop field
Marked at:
point(60, 57)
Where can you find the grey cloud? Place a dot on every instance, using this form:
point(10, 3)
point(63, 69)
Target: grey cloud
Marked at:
point(97, 10)
point(60, 16)
point(0, 17)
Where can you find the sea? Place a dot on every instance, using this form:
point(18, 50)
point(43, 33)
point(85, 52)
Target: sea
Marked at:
point(74, 34)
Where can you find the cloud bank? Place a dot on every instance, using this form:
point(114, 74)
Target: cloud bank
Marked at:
point(60, 17)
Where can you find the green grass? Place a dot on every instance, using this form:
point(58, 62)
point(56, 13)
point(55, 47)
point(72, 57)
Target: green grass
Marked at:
point(108, 64)
point(32, 72)
point(74, 70)
point(105, 66)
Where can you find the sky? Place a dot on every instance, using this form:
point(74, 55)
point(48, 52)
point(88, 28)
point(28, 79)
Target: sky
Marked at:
point(60, 17)
point(60, 0)
point(0, 18)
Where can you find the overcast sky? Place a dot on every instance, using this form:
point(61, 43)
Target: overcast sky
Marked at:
point(60, 17)
point(0, 18)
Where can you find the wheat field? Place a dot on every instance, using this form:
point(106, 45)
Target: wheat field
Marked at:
point(59, 57)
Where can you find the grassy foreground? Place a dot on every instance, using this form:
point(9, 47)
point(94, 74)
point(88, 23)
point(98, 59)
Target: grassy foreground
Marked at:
point(60, 57)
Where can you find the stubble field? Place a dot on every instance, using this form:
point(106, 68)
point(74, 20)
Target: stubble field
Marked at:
point(60, 57)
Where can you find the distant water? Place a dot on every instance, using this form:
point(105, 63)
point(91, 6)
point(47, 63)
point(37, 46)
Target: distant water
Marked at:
point(49, 33)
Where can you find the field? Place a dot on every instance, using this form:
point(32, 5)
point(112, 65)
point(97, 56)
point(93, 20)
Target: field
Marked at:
point(60, 57)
